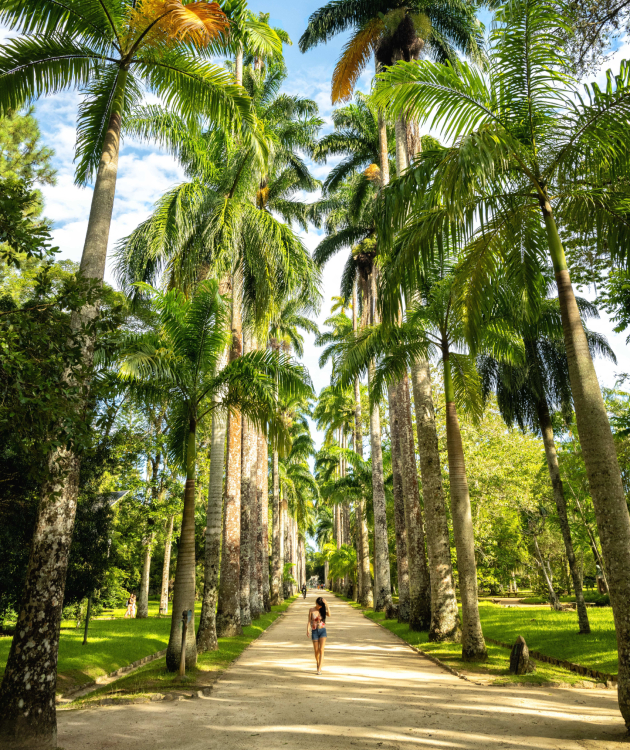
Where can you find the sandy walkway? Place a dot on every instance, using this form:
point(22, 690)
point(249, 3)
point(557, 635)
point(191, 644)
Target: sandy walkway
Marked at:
point(375, 693)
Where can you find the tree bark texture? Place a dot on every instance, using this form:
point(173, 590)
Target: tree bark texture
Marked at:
point(276, 540)
point(184, 588)
point(546, 428)
point(445, 621)
point(143, 598)
point(419, 579)
point(228, 611)
point(247, 463)
point(207, 633)
point(255, 602)
point(400, 527)
point(27, 696)
point(166, 566)
point(600, 459)
point(473, 644)
point(263, 488)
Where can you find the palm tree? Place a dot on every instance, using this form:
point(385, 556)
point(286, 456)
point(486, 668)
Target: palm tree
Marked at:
point(545, 159)
point(180, 363)
point(527, 395)
point(111, 50)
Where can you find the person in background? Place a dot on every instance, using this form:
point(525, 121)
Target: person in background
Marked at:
point(304, 590)
point(316, 623)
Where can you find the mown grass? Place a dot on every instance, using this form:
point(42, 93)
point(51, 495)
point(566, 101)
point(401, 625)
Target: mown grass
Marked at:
point(112, 643)
point(551, 633)
point(153, 678)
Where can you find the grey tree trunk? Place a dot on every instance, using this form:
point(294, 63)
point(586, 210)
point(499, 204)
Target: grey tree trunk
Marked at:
point(544, 420)
point(277, 594)
point(263, 485)
point(248, 463)
point(207, 633)
point(600, 459)
point(400, 527)
point(166, 566)
point(27, 716)
point(228, 611)
point(143, 598)
point(473, 643)
point(255, 603)
point(419, 579)
point(445, 622)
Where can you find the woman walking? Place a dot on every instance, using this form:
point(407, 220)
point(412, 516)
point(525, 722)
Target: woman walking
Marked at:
point(317, 625)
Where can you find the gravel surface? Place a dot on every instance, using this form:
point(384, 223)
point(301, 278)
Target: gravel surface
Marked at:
point(374, 693)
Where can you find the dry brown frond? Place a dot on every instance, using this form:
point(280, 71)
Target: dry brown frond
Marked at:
point(373, 173)
point(262, 196)
point(353, 60)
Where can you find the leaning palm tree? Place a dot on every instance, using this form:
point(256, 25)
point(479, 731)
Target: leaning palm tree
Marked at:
point(551, 164)
point(528, 395)
point(111, 49)
point(179, 362)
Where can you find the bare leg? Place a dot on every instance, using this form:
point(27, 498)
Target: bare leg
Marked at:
point(316, 650)
point(322, 643)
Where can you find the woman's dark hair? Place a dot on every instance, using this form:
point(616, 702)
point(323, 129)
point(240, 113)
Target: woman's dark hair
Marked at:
point(322, 608)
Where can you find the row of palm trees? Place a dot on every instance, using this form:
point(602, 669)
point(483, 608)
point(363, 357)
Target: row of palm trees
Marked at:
point(458, 258)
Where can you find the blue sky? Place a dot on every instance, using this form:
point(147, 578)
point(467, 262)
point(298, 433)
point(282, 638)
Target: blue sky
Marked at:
point(146, 172)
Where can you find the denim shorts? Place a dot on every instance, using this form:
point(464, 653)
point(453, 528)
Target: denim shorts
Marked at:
point(317, 634)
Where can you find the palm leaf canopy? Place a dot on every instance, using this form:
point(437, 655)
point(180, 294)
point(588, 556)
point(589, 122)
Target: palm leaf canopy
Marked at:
point(526, 142)
point(114, 50)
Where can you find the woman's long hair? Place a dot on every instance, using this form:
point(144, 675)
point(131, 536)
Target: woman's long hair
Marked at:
point(323, 608)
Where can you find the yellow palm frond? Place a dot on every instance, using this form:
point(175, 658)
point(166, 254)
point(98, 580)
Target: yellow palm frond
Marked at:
point(168, 22)
point(353, 60)
point(373, 173)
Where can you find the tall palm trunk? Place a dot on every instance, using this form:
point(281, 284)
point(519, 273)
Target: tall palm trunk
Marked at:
point(143, 597)
point(27, 714)
point(600, 458)
point(228, 611)
point(473, 644)
point(207, 633)
point(184, 589)
point(363, 543)
point(544, 420)
point(257, 603)
point(263, 488)
point(400, 527)
point(247, 464)
point(382, 578)
point(419, 579)
point(277, 594)
point(166, 566)
point(445, 623)
point(254, 530)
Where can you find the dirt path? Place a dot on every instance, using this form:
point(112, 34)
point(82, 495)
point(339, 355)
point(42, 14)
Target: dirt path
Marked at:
point(375, 694)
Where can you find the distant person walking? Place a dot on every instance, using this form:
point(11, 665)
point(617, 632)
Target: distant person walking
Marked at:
point(316, 624)
point(129, 611)
point(304, 590)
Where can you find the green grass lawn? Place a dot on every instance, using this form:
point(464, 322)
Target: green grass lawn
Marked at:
point(112, 643)
point(153, 678)
point(551, 633)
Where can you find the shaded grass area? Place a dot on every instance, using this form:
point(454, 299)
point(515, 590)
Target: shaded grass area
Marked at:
point(551, 633)
point(153, 678)
point(592, 597)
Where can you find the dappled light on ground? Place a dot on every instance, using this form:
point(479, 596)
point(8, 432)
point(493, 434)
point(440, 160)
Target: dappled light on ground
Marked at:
point(375, 693)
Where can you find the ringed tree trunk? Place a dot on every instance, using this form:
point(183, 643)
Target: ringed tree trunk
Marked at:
point(207, 633)
point(229, 610)
point(255, 531)
point(285, 542)
point(184, 589)
point(419, 580)
point(473, 644)
point(363, 541)
point(445, 622)
point(400, 527)
point(600, 459)
point(257, 543)
point(27, 715)
point(166, 566)
point(263, 490)
point(544, 420)
point(382, 578)
point(277, 594)
point(247, 464)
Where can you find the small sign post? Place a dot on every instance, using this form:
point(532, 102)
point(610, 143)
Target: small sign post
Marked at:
point(186, 620)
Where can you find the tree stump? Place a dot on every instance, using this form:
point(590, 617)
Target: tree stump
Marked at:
point(520, 663)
